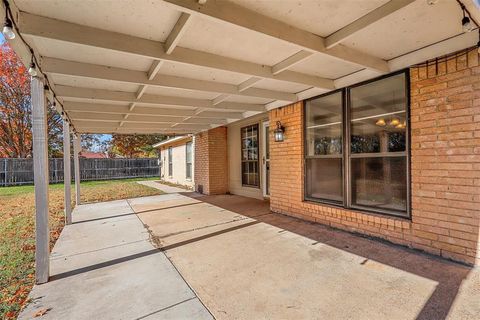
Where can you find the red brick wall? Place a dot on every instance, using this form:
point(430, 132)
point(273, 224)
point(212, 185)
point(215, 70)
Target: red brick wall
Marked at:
point(211, 167)
point(445, 146)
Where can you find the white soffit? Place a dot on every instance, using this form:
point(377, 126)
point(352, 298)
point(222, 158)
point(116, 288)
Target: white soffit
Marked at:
point(415, 26)
point(93, 55)
point(92, 83)
point(235, 42)
point(281, 86)
point(141, 18)
point(322, 17)
point(202, 73)
point(251, 56)
point(325, 66)
point(181, 93)
point(248, 100)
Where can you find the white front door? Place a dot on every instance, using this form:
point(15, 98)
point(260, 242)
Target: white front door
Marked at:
point(266, 159)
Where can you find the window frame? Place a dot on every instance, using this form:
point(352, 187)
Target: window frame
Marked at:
point(347, 155)
point(187, 177)
point(257, 186)
point(170, 161)
point(305, 147)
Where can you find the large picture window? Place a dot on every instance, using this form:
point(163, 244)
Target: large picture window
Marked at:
point(356, 146)
point(250, 175)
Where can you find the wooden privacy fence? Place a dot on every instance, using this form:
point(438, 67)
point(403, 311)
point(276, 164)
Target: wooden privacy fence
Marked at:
point(15, 171)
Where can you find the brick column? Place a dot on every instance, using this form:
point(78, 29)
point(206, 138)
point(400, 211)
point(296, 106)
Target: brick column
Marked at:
point(445, 122)
point(211, 166)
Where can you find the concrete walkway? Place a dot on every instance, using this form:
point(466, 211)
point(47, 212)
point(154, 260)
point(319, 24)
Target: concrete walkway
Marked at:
point(104, 267)
point(163, 187)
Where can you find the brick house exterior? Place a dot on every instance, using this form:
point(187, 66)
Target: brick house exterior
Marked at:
point(211, 169)
point(445, 166)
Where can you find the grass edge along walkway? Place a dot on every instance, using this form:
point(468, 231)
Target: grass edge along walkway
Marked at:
point(17, 230)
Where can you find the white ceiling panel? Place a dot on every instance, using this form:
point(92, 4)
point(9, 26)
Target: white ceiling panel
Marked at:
point(322, 17)
point(234, 42)
point(201, 73)
point(280, 86)
point(325, 66)
point(243, 99)
point(142, 18)
point(79, 53)
point(92, 83)
point(181, 93)
point(411, 28)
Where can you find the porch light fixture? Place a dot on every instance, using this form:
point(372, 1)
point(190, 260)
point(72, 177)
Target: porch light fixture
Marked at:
point(32, 70)
point(7, 30)
point(467, 25)
point(478, 43)
point(278, 133)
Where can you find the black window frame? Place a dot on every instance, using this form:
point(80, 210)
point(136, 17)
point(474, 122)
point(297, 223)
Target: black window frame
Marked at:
point(187, 167)
point(242, 161)
point(346, 154)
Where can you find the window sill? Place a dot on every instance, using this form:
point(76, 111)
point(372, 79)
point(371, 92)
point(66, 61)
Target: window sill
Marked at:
point(250, 186)
point(372, 212)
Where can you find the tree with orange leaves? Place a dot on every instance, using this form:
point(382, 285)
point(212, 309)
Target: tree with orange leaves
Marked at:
point(15, 108)
point(15, 111)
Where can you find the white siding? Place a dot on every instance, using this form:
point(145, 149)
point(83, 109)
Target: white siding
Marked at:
point(179, 164)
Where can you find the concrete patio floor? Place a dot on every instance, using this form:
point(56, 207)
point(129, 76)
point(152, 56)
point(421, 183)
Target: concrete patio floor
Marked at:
point(104, 266)
point(232, 256)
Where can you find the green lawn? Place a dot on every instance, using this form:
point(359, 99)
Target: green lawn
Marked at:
point(17, 225)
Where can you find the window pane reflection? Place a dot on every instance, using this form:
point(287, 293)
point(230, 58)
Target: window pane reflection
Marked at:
point(324, 125)
point(378, 116)
point(324, 179)
point(380, 182)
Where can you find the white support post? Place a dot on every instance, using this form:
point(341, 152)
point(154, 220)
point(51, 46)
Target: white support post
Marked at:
point(40, 166)
point(76, 165)
point(67, 176)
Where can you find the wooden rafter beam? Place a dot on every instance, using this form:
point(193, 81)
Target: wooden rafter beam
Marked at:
point(177, 32)
point(38, 26)
point(231, 13)
point(148, 99)
point(365, 21)
point(86, 70)
point(98, 108)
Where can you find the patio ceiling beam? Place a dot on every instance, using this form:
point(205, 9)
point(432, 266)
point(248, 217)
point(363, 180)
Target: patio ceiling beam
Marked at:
point(228, 12)
point(100, 130)
point(291, 61)
point(247, 84)
point(141, 119)
point(143, 126)
point(97, 108)
point(93, 71)
point(177, 32)
point(47, 28)
point(373, 16)
point(148, 99)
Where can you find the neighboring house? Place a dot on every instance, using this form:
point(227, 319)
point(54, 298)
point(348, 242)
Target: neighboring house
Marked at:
point(92, 155)
point(176, 160)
